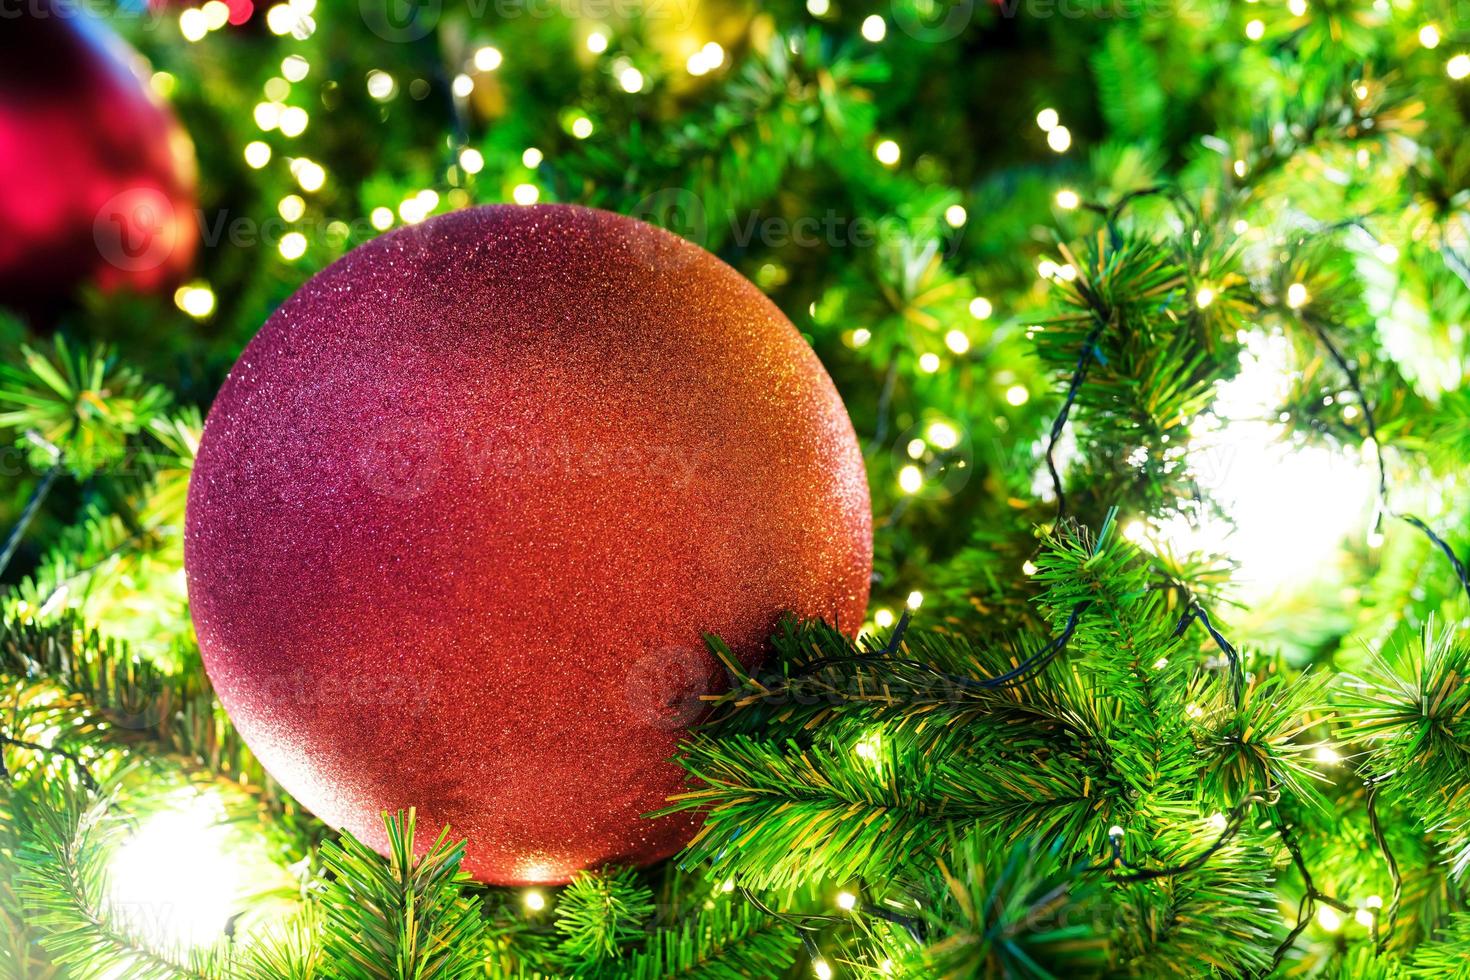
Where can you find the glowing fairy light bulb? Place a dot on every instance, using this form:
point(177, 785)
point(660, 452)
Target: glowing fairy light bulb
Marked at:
point(597, 42)
point(525, 194)
point(917, 448)
point(887, 153)
point(531, 158)
point(581, 127)
point(257, 154)
point(957, 341)
point(1327, 755)
point(1068, 200)
point(1429, 36)
point(1047, 120)
point(471, 160)
point(292, 246)
point(380, 85)
point(1218, 822)
point(176, 881)
point(915, 600)
point(818, 8)
point(1017, 395)
point(1298, 8)
point(1297, 296)
point(1256, 29)
point(846, 901)
point(981, 308)
point(1364, 918)
point(382, 218)
point(1328, 918)
point(488, 58)
point(1059, 138)
point(193, 24)
point(534, 900)
point(1458, 67)
point(463, 86)
point(1204, 297)
point(955, 215)
point(295, 67)
point(874, 28)
point(883, 618)
point(196, 299)
point(942, 435)
point(929, 362)
point(861, 336)
point(291, 207)
point(728, 885)
point(631, 80)
point(1028, 568)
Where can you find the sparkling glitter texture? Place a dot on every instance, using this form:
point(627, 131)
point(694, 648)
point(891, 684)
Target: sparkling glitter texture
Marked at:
point(466, 504)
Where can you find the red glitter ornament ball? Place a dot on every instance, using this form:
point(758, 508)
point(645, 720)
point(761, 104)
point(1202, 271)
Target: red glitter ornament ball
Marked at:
point(98, 176)
point(466, 505)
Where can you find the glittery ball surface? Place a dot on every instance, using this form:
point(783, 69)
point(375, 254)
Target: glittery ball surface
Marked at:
point(466, 505)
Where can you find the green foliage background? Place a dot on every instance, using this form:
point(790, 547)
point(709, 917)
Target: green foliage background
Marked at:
point(1054, 770)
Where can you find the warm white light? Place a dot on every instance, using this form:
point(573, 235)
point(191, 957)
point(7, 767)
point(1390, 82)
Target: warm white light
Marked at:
point(1204, 297)
point(728, 885)
point(915, 599)
point(917, 448)
point(293, 245)
point(1028, 568)
point(295, 67)
point(1059, 138)
point(581, 127)
point(910, 479)
point(1115, 831)
point(535, 901)
point(1328, 918)
point(1458, 67)
point(846, 901)
point(1217, 821)
point(868, 747)
point(957, 341)
point(193, 24)
point(257, 154)
point(1047, 269)
point(1047, 119)
point(818, 8)
point(196, 299)
point(1327, 755)
point(488, 58)
point(883, 618)
point(1296, 296)
point(942, 435)
point(981, 308)
point(472, 160)
point(531, 158)
point(309, 174)
point(292, 207)
point(380, 85)
point(463, 86)
point(1387, 254)
point(875, 28)
point(887, 153)
point(1374, 902)
point(382, 218)
point(597, 42)
point(1298, 8)
point(1256, 29)
point(861, 336)
point(929, 362)
point(955, 215)
point(1017, 395)
point(631, 80)
point(1068, 200)
point(293, 120)
point(1364, 918)
point(1288, 504)
point(525, 194)
point(216, 14)
point(1241, 226)
point(1429, 36)
point(822, 969)
point(174, 881)
point(267, 115)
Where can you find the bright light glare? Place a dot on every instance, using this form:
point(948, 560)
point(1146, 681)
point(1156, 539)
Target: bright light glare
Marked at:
point(176, 881)
point(1292, 504)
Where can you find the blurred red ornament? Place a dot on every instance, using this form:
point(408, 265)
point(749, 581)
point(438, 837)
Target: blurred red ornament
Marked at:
point(466, 504)
point(96, 176)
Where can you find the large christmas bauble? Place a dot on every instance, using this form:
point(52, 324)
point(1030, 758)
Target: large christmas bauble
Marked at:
point(466, 505)
point(98, 176)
